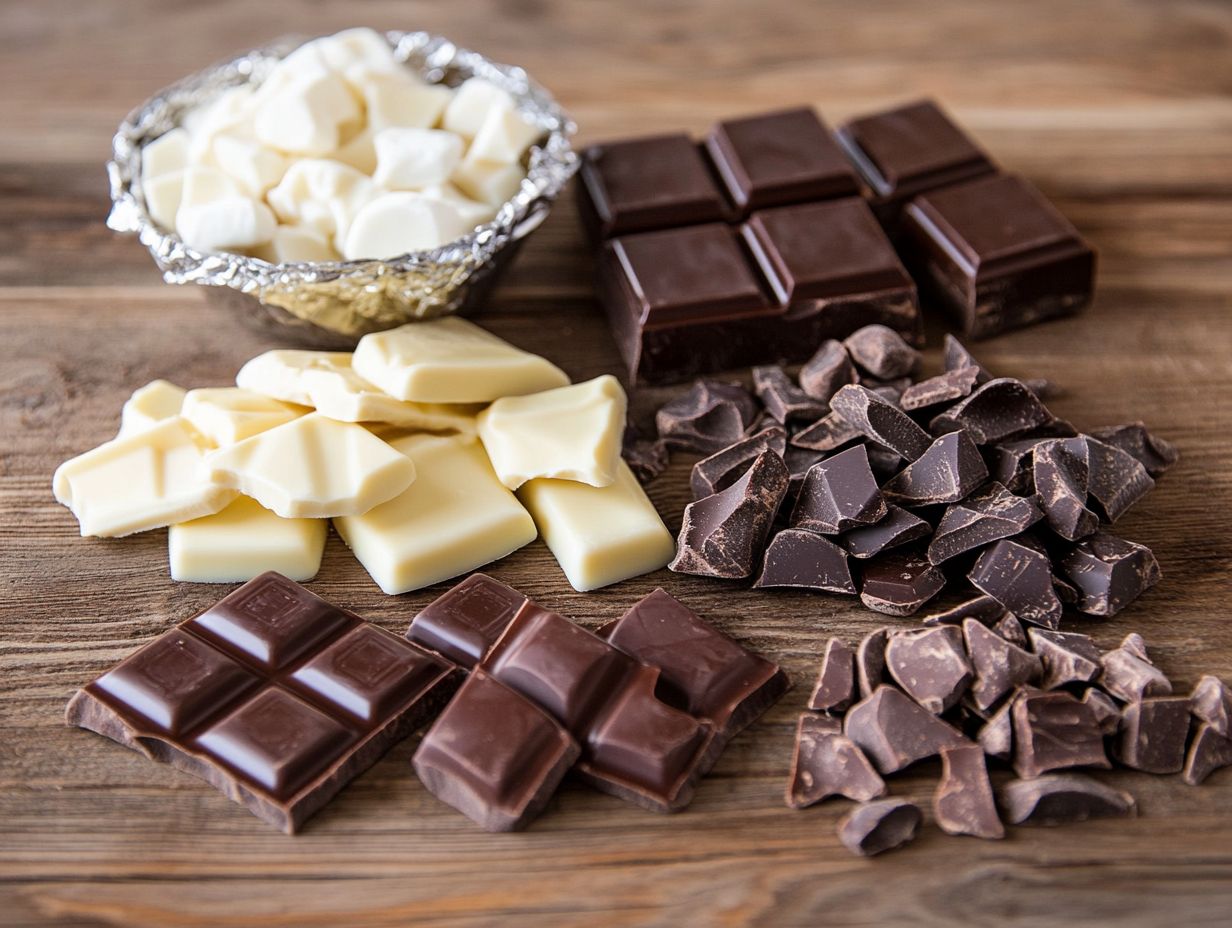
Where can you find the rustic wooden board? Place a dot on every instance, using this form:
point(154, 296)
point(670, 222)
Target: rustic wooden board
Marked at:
point(1121, 111)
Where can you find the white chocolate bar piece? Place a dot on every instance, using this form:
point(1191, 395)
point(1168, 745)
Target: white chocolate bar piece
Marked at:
point(140, 481)
point(454, 518)
point(243, 541)
point(226, 415)
point(340, 393)
point(599, 535)
point(280, 373)
point(451, 360)
point(570, 433)
point(150, 405)
point(313, 467)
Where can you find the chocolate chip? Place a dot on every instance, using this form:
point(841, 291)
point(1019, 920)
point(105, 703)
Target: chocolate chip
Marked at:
point(1067, 657)
point(1062, 798)
point(1018, 576)
point(836, 679)
point(930, 665)
point(1117, 480)
point(1155, 454)
point(1212, 703)
point(1060, 472)
point(949, 470)
point(899, 583)
point(1153, 734)
point(1053, 730)
point(895, 732)
point(805, 560)
point(963, 803)
point(944, 388)
point(723, 468)
point(881, 421)
point(1000, 666)
point(826, 763)
point(839, 493)
point(826, 434)
point(707, 418)
point(1109, 572)
point(996, 411)
point(826, 371)
point(881, 352)
point(784, 401)
point(1129, 678)
point(983, 517)
point(1209, 752)
point(897, 527)
point(870, 661)
point(876, 827)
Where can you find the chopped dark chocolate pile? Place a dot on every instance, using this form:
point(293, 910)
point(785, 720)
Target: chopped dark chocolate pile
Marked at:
point(881, 421)
point(944, 388)
point(930, 665)
point(881, 352)
point(897, 527)
point(706, 419)
point(1000, 666)
point(835, 689)
point(782, 399)
point(1153, 734)
point(723, 468)
point(998, 410)
point(963, 803)
point(870, 661)
point(1019, 576)
point(1053, 730)
point(1062, 798)
point(899, 583)
point(988, 515)
point(1211, 700)
point(839, 493)
point(799, 558)
point(827, 371)
point(827, 763)
point(895, 731)
point(875, 827)
point(1060, 474)
point(949, 470)
point(1209, 752)
point(1155, 454)
point(1109, 573)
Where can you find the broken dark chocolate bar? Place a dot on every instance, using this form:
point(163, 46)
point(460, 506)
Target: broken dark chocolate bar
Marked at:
point(1000, 666)
point(996, 737)
point(1053, 730)
point(983, 609)
point(896, 527)
point(835, 689)
point(1019, 576)
point(880, 826)
point(1109, 573)
point(998, 410)
point(647, 459)
point(899, 583)
point(839, 493)
point(894, 731)
point(1107, 712)
point(709, 417)
point(804, 560)
point(828, 370)
point(1116, 479)
point(881, 421)
point(723, 468)
point(963, 803)
point(465, 621)
point(1062, 798)
point(882, 353)
point(870, 661)
point(983, 517)
point(828, 433)
point(827, 763)
point(930, 665)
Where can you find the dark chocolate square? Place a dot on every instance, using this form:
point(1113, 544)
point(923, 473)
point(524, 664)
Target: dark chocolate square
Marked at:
point(465, 621)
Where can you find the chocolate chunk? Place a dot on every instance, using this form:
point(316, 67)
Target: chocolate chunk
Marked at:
point(798, 461)
point(707, 418)
point(948, 471)
point(881, 421)
point(988, 515)
point(895, 731)
point(930, 665)
point(723, 468)
point(1054, 730)
point(956, 357)
point(1153, 734)
point(804, 560)
point(1155, 454)
point(647, 459)
point(1107, 712)
point(996, 738)
point(1009, 628)
point(1130, 678)
point(826, 371)
point(828, 433)
point(870, 661)
point(465, 621)
point(1067, 657)
point(1109, 572)
point(1212, 703)
point(1000, 666)
point(826, 763)
point(784, 401)
point(899, 583)
point(876, 827)
point(944, 388)
point(1060, 472)
point(983, 609)
point(1018, 576)
point(1062, 798)
point(881, 352)
point(723, 535)
point(1209, 752)
point(897, 527)
point(883, 462)
point(1135, 644)
point(963, 803)
point(1012, 464)
point(998, 410)
point(889, 390)
point(1117, 480)
point(839, 493)
point(836, 680)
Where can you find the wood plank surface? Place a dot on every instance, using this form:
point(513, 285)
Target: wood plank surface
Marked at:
point(1121, 110)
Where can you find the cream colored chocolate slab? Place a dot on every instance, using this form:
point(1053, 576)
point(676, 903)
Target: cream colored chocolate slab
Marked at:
point(226, 415)
point(141, 481)
point(340, 393)
point(313, 467)
point(149, 405)
point(454, 518)
point(279, 374)
point(243, 541)
point(599, 535)
point(570, 433)
point(451, 361)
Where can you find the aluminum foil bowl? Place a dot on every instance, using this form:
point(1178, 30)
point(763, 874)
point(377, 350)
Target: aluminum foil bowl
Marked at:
point(334, 303)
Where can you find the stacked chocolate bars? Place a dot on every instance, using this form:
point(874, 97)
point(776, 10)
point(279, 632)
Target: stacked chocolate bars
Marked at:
point(771, 236)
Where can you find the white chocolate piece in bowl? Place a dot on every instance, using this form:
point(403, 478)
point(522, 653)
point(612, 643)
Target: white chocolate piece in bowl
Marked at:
point(306, 114)
point(397, 99)
point(280, 373)
point(163, 195)
point(317, 192)
point(599, 535)
point(358, 152)
point(243, 541)
point(393, 224)
point(410, 159)
point(472, 212)
point(313, 467)
point(503, 137)
point(231, 223)
point(488, 181)
point(454, 518)
point(451, 360)
point(570, 433)
point(164, 155)
point(205, 184)
point(255, 167)
point(150, 405)
point(471, 103)
point(293, 244)
point(140, 481)
point(359, 46)
point(226, 415)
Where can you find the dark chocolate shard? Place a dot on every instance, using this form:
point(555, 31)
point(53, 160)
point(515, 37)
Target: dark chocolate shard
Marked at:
point(1012, 463)
point(804, 560)
point(883, 462)
point(1000, 666)
point(899, 583)
point(1108, 572)
point(723, 468)
point(826, 763)
point(898, 527)
point(1129, 678)
point(894, 731)
point(939, 390)
point(835, 689)
point(1155, 454)
point(963, 803)
point(1212, 703)
point(706, 418)
point(827, 371)
point(1018, 576)
point(647, 459)
point(880, 420)
point(1009, 628)
point(723, 535)
point(1117, 480)
point(930, 665)
point(839, 493)
point(889, 390)
point(1053, 428)
point(998, 410)
point(949, 470)
point(881, 352)
point(876, 827)
point(826, 434)
point(996, 738)
point(1067, 657)
point(1060, 471)
point(1153, 734)
point(798, 461)
point(956, 357)
point(983, 609)
point(1062, 798)
point(1209, 752)
point(1107, 712)
point(987, 515)
point(1135, 644)
point(1054, 730)
point(784, 401)
point(870, 661)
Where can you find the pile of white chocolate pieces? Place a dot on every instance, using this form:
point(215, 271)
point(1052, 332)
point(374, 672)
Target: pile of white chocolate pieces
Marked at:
point(414, 446)
point(340, 152)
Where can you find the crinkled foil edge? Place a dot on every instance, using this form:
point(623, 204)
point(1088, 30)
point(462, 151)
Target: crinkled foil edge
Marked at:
point(347, 297)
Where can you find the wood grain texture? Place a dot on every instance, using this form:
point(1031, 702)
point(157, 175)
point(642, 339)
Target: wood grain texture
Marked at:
point(1120, 109)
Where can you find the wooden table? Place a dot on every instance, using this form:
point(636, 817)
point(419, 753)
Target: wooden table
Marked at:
point(1121, 111)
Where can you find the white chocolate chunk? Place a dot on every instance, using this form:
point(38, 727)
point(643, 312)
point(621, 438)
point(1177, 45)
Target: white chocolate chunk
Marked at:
point(340, 393)
point(488, 181)
point(357, 46)
point(570, 433)
point(306, 116)
point(313, 467)
point(454, 518)
point(163, 195)
point(203, 185)
point(599, 535)
point(399, 100)
point(471, 104)
point(226, 415)
point(393, 224)
point(292, 244)
point(408, 159)
point(254, 166)
point(319, 192)
point(502, 138)
point(225, 225)
point(243, 541)
point(280, 373)
point(150, 405)
point(358, 151)
point(230, 113)
point(139, 481)
point(164, 155)
point(472, 212)
point(451, 360)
